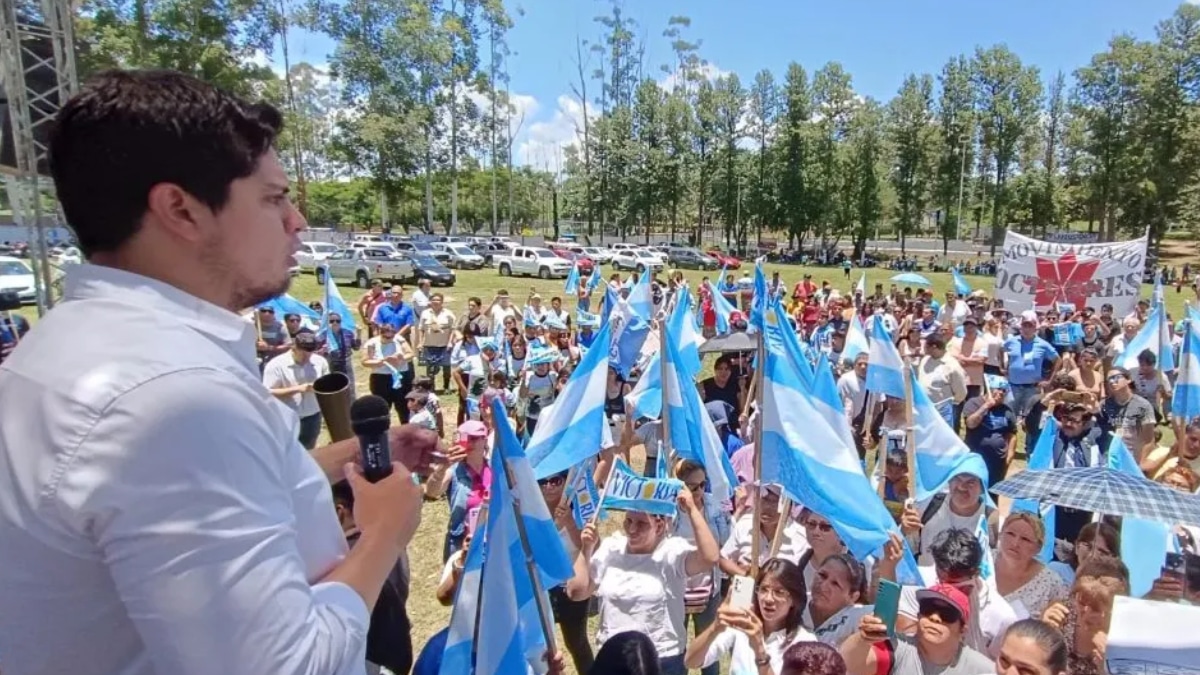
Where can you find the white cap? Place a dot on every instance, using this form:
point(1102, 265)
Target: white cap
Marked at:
point(1029, 316)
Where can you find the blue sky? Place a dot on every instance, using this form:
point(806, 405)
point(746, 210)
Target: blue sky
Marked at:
point(877, 41)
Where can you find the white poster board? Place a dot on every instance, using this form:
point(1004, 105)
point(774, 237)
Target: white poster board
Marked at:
point(1042, 274)
point(1153, 638)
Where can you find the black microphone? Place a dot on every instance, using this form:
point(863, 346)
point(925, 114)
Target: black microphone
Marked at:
point(370, 417)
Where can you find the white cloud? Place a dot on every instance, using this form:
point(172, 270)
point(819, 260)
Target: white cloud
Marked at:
point(540, 142)
point(710, 72)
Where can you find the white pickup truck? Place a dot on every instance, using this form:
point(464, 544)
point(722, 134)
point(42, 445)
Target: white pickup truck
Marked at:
point(532, 261)
point(362, 266)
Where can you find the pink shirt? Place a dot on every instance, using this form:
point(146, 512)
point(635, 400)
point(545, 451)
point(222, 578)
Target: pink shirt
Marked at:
point(480, 483)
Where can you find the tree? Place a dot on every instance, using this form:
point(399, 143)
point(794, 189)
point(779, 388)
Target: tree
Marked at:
point(498, 23)
point(1007, 98)
point(910, 126)
point(763, 111)
point(795, 190)
point(956, 128)
point(730, 101)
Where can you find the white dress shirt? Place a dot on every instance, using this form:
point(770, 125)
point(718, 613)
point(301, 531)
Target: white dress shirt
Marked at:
point(156, 511)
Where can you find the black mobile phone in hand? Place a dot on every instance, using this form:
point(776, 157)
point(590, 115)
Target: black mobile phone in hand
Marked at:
point(1175, 564)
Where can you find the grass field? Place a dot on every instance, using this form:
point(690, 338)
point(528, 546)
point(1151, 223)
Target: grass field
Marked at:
point(425, 552)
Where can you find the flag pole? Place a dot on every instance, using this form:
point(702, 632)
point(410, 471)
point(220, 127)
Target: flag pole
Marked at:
point(665, 431)
point(756, 531)
point(785, 512)
point(535, 579)
point(484, 515)
point(910, 436)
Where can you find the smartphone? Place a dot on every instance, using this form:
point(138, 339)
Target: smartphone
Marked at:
point(887, 604)
point(1175, 564)
point(741, 593)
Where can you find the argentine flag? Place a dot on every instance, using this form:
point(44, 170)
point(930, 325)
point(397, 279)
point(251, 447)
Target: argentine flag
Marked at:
point(286, 304)
point(1186, 402)
point(510, 638)
point(335, 304)
point(681, 325)
point(1143, 542)
point(1155, 335)
point(961, 287)
point(856, 340)
point(574, 428)
point(721, 308)
point(885, 368)
point(941, 454)
point(571, 285)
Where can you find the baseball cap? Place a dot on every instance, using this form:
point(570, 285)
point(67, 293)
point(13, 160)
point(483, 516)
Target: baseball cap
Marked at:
point(306, 341)
point(472, 429)
point(1029, 316)
point(971, 320)
point(949, 595)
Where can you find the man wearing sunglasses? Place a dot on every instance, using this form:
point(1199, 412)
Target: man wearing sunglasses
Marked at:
point(1126, 414)
point(290, 378)
point(938, 645)
point(958, 559)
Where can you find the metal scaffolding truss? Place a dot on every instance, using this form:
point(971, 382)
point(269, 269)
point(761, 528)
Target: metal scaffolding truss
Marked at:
point(36, 81)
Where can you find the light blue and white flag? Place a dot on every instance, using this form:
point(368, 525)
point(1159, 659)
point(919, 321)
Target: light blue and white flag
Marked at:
point(595, 280)
point(827, 401)
point(1157, 297)
point(662, 463)
point(644, 401)
point(961, 287)
point(572, 429)
point(582, 493)
point(885, 367)
point(641, 298)
point(987, 566)
point(1155, 335)
point(1143, 542)
point(681, 324)
point(630, 491)
point(1185, 404)
point(1041, 459)
point(692, 433)
point(571, 285)
point(538, 354)
point(629, 332)
point(286, 304)
point(856, 340)
point(941, 454)
point(861, 286)
point(802, 453)
point(511, 640)
point(334, 304)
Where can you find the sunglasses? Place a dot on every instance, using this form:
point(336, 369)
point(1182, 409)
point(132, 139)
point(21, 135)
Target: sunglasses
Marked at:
point(819, 526)
point(553, 481)
point(1115, 379)
point(335, 321)
point(946, 612)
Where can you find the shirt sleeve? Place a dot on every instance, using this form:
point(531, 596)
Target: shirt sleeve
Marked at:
point(196, 522)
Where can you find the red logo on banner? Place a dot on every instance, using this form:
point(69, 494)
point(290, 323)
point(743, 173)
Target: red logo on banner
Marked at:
point(1067, 279)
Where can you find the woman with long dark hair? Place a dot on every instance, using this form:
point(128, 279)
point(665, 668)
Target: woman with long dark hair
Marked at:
point(761, 634)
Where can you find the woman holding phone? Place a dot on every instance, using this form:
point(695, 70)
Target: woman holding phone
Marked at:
point(760, 632)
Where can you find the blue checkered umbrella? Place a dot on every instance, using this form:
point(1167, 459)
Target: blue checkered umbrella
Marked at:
point(1106, 491)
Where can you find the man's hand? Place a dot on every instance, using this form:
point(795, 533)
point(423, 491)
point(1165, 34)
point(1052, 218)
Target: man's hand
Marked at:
point(910, 521)
point(1056, 615)
point(872, 628)
point(417, 448)
point(390, 508)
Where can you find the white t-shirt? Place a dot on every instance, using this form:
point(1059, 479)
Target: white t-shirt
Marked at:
point(283, 371)
point(741, 655)
point(642, 592)
point(377, 348)
point(838, 627)
point(945, 519)
point(737, 548)
point(540, 388)
point(499, 314)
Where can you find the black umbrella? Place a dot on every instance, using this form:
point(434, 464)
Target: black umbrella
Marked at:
point(738, 341)
point(1104, 490)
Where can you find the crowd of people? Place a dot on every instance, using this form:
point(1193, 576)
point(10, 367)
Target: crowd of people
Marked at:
point(160, 516)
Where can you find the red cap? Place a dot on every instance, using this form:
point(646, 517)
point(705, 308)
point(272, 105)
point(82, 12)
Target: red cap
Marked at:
point(950, 595)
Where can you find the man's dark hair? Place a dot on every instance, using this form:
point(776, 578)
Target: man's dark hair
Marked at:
point(957, 553)
point(935, 341)
point(129, 130)
point(813, 658)
point(1147, 358)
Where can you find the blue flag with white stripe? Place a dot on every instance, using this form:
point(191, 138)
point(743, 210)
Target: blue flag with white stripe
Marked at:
point(286, 304)
point(856, 340)
point(496, 582)
point(1155, 335)
point(595, 280)
point(961, 287)
point(582, 493)
point(692, 433)
point(1185, 404)
point(1041, 459)
point(336, 305)
point(681, 324)
point(722, 308)
point(572, 429)
point(641, 298)
point(805, 455)
point(1143, 542)
point(885, 367)
point(571, 285)
point(630, 330)
point(644, 401)
point(941, 454)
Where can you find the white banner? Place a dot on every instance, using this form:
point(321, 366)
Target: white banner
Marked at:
point(1042, 274)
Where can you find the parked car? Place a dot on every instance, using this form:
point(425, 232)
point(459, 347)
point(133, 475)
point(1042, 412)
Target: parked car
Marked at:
point(690, 258)
point(17, 275)
point(362, 266)
point(532, 261)
point(636, 259)
point(586, 264)
point(461, 256)
point(601, 256)
point(428, 267)
point(488, 250)
point(724, 259)
point(423, 247)
point(65, 255)
point(313, 253)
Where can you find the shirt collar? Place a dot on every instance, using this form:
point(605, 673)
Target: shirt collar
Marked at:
point(95, 282)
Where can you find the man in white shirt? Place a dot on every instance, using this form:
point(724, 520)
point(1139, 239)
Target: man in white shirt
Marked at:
point(290, 378)
point(420, 297)
point(942, 378)
point(157, 513)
